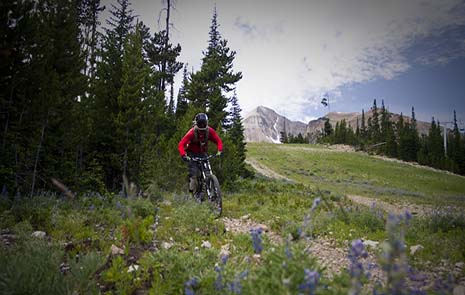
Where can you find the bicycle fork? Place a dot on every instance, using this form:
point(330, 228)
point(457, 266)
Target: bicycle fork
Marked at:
point(206, 168)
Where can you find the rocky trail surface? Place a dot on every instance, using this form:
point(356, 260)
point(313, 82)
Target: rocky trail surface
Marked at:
point(335, 258)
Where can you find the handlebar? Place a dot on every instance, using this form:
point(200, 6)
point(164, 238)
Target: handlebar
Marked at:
point(200, 159)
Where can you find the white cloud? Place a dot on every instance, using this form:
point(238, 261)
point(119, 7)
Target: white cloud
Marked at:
point(290, 52)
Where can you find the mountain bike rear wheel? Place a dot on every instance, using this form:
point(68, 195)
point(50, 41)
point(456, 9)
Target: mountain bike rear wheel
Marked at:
point(213, 187)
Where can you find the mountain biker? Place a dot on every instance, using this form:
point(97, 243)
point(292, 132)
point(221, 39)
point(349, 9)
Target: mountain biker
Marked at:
point(195, 144)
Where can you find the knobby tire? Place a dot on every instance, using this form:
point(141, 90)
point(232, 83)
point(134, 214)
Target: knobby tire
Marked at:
point(216, 199)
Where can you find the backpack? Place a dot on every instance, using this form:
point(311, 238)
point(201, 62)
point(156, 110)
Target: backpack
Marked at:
point(196, 136)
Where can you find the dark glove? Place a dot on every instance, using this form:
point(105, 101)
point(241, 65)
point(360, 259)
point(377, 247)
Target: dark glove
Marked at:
point(219, 154)
point(186, 158)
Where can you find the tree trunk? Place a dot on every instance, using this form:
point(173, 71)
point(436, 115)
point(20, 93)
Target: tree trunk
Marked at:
point(165, 49)
point(125, 162)
point(39, 147)
point(10, 102)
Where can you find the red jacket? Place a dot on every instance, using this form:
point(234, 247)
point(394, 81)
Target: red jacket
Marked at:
point(187, 143)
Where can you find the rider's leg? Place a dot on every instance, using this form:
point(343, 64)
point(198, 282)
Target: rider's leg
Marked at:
point(193, 173)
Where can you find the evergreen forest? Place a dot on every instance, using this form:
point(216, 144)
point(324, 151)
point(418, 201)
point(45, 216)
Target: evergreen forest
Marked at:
point(400, 138)
point(90, 104)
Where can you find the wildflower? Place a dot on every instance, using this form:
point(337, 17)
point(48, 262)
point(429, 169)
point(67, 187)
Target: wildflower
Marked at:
point(91, 207)
point(311, 279)
point(444, 286)
point(224, 259)
point(288, 250)
point(308, 219)
point(257, 240)
point(219, 285)
point(190, 285)
point(235, 286)
point(408, 215)
point(315, 204)
point(357, 251)
point(394, 259)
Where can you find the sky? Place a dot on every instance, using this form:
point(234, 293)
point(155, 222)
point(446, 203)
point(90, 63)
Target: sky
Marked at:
point(292, 53)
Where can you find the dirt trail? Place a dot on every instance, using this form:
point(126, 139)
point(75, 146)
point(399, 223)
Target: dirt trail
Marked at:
point(397, 209)
point(264, 170)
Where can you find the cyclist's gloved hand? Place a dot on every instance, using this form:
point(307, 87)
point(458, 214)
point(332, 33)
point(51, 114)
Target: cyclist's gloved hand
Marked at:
point(219, 154)
point(186, 158)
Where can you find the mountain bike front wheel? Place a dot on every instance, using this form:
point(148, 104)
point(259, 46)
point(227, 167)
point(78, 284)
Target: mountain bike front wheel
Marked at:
point(213, 187)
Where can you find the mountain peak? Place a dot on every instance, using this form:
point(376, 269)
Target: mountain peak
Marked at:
point(263, 124)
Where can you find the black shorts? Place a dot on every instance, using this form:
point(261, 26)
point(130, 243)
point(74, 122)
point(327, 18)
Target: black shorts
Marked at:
point(194, 166)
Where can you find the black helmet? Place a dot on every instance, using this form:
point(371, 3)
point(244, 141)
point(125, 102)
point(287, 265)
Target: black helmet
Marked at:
point(201, 121)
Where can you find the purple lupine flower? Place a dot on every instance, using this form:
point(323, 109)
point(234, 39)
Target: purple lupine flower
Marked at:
point(288, 250)
point(311, 278)
point(444, 286)
point(394, 259)
point(257, 240)
point(219, 285)
point(356, 271)
point(224, 259)
point(235, 286)
point(316, 202)
point(190, 285)
point(407, 216)
point(357, 249)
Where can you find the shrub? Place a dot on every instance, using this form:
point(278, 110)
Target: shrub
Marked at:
point(33, 267)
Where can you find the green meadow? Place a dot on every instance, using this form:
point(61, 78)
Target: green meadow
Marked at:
point(165, 243)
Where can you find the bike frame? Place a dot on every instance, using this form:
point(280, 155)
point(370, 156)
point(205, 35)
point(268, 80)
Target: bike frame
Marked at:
point(205, 169)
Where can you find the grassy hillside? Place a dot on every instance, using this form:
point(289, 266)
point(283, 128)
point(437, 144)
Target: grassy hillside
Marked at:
point(276, 236)
point(358, 173)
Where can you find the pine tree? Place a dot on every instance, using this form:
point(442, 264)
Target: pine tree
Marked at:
point(181, 102)
point(363, 129)
point(391, 146)
point(41, 82)
point(413, 138)
point(369, 135)
point(435, 146)
point(461, 163)
point(455, 152)
point(385, 117)
point(375, 128)
point(209, 87)
point(105, 144)
point(88, 17)
point(283, 137)
point(236, 133)
point(403, 128)
point(328, 128)
point(130, 117)
point(341, 132)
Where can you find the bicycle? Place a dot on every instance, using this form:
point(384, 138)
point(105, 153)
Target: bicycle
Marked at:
point(207, 184)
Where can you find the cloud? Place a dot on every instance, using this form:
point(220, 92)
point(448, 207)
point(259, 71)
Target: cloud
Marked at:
point(290, 52)
point(252, 31)
point(326, 45)
point(441, 47)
